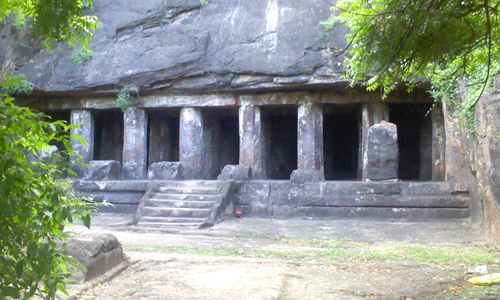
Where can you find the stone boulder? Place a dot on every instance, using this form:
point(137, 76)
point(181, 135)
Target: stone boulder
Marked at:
point(236, 172)
point(165, 170)
point(381, 157)
point(103, 170)
point(303, 176)
point(97, 252)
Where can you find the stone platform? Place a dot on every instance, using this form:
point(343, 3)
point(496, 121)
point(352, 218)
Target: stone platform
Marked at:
point(324, 200)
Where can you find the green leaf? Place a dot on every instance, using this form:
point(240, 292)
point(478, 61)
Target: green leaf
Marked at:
point(54, 199)
point(67, 145)
point(80, 139)
point(20, 268)
point(61, 288)
point(86, 220)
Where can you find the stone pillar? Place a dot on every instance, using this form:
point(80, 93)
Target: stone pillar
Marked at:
point(252, 140)
point(135, 144)
point(191, 142)
point(456, 158)
point(438, 144)
point(310, 137)
point(372, 113)
point(85, 121)
point(381, 157)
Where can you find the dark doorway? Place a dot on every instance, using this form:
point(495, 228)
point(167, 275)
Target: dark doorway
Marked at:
point(414, 140)
point(341, 141)
point(230, 140)
point(108, 135)
point(163, 137)
point(280, 135)
point(221, 140)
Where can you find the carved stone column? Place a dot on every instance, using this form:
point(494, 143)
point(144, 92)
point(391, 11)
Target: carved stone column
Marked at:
point(438, 144)
point(455, 152)
point(191, 142)
point(135, 144)
point(252, 140)
point(85, 129)
point(372, 113)
point(310, 137)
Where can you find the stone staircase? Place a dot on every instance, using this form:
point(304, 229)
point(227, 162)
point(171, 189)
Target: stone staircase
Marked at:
point(184, 204)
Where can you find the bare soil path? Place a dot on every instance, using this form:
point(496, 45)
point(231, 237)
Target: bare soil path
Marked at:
point(300, 259)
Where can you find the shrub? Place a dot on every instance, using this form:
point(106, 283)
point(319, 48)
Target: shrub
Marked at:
point(19, 85)
point(34, 206)
point(81, 57)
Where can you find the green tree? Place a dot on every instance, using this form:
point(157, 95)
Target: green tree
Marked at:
point(52, 21)
point(34, 205)
point(450, 42)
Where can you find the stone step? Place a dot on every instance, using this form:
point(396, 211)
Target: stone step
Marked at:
point(381, 201)
point(155, 225)
point(347, 188)
point(179, 203)
point(176, 212)
point(163, 196)
point(191, 183)
point(190, 190)
point(410, 214)
point(169, 220)
point(432, 188)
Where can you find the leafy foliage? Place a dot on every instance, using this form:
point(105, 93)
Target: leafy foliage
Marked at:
point(123, 97)
point(19, 86)
point(53, 20)
point(451, 42)
point(34, 207)
point(80, 57)
point(122, 100)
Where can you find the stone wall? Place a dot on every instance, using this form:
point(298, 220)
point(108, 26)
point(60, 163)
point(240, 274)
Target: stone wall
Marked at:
point(333, 199)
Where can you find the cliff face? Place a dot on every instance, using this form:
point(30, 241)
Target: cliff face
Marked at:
point(483, 156)
point(181, 46)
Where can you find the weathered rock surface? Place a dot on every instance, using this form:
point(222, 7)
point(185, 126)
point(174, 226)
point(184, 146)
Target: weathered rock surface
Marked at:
point(382, 153)
point(236, 172)
point(165, 170)
point(180, 45)
point(97, 252)
point(103, 170)
point(483, 155)
point(308, 175)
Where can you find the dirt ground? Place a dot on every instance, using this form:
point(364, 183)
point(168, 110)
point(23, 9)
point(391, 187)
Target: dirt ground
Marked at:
point(299, 259)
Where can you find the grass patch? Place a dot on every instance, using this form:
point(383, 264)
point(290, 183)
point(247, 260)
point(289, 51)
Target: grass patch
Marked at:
point(466, 255)
point(330, 250)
